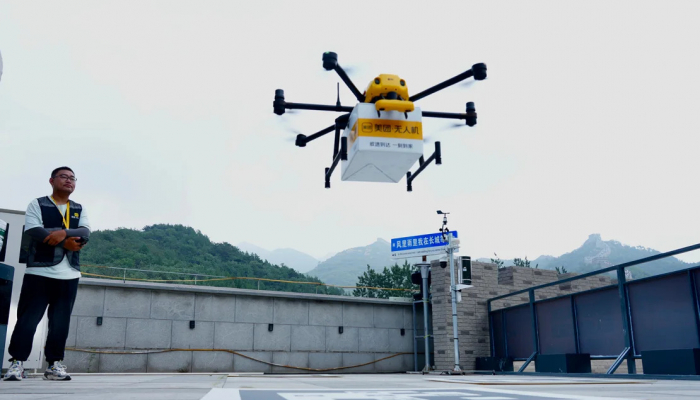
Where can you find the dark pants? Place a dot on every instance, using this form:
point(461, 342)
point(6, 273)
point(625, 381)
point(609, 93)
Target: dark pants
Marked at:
point(38, 292)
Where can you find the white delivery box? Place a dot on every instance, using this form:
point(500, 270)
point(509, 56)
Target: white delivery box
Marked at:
point(381, 148)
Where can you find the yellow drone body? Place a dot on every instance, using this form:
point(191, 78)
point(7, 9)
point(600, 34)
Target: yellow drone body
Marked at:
point(388, 93)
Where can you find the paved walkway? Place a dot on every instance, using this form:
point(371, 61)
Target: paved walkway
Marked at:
point(343, 387)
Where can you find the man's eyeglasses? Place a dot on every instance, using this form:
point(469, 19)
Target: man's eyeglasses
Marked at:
point(66, 177)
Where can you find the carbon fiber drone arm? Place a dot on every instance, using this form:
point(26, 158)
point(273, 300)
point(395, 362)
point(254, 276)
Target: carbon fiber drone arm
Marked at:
point(330, 62)
point(478, 71)
point(280, 105)
point(469, 116)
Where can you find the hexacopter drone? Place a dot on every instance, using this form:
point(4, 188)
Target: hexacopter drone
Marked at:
point(383, 133)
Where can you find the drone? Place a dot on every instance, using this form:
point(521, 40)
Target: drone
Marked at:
point(382, 134)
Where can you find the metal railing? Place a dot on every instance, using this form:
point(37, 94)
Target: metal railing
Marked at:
point(205, 279)
point(629, 352)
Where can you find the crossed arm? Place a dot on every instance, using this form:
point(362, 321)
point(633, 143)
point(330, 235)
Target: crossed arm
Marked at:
point(63, 237)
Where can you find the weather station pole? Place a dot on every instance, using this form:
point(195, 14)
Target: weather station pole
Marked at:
point(424, 273)
point(453, 288)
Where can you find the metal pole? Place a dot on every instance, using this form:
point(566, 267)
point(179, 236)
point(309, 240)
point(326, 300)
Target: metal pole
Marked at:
point(424, 271)
point(415, 339)
point(453, 293)
point(533, 319)
point(622, 292)
point(124, 275)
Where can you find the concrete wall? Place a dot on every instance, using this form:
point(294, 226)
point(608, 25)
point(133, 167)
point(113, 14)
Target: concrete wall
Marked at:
point(472, 311)
point(148, 316)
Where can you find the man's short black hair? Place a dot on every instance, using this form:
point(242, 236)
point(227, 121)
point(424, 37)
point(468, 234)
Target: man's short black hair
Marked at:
point(54, 172)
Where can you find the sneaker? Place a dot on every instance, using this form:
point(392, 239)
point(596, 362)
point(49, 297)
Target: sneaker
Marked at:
point(56, 372)
point(15, 372)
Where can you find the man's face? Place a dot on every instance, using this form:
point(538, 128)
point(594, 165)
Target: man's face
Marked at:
point(63, 181)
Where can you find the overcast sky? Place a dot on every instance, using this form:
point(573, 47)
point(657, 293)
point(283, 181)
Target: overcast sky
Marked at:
point(588, 122)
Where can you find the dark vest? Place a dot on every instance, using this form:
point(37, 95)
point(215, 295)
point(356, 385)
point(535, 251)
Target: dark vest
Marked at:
point(39, 254)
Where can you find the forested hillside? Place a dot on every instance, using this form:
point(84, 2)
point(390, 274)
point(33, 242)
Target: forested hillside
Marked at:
point(182, 249)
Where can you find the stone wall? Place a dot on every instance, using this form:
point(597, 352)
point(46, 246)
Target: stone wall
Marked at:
point(141, 317)
point(472, 311)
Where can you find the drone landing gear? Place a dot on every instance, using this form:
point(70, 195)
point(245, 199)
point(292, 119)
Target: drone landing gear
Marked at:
point(423, 164)
point(341, 155)
point(338, 154)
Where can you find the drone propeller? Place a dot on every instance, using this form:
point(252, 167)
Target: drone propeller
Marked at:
point(294, 132)
point(351, 69)
point(467, 83)
point(289, 138)
point(454, 125)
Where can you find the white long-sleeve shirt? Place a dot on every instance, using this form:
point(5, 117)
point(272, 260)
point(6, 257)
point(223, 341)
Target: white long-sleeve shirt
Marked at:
point(62, 270)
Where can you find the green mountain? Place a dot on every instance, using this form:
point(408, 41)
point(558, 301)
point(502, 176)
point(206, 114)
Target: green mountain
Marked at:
point(596, 253)
point(299, 261)
point(345, 267)
point(176, 248)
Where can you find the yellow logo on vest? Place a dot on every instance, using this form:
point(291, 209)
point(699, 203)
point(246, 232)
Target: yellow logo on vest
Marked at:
point(76, 215)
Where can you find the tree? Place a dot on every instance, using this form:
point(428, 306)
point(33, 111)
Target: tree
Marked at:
point(562, 270)
point(519, 262)
point(497, 261)
point(394, 277)
point(162, 248)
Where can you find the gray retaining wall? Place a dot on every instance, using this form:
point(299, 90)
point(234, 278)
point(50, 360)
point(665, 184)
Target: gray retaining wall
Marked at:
point(141, 317)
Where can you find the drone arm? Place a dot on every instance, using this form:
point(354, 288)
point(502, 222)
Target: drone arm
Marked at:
point(478, 71)
point(469, 116)
point(437, 114)
point(437, 156)
point(349, 83)
point(317, 107)
point(302, 140)
point(330, 62)
point(320, 133)
point(280, 105)
point(340, 123)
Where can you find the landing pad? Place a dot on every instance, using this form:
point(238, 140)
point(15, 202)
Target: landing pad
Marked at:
point(397, 394)
point(223, 386)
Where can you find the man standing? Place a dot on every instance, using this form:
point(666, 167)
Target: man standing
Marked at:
point(55, 230)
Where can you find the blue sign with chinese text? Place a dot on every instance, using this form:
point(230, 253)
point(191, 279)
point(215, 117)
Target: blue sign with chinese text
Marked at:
point(414, 246)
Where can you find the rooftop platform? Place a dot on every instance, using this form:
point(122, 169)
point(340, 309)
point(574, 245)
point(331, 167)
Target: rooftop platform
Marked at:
point(346, 387)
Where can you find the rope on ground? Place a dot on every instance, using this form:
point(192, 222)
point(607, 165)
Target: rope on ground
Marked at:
point(230, 278)
point(236, 353)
